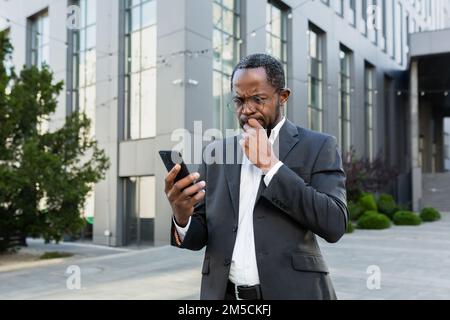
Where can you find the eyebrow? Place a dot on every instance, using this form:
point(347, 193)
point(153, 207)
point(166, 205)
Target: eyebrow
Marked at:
point(253, 95)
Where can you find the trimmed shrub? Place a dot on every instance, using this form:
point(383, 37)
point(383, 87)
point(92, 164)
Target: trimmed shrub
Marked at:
point(407, 218)
point(350, 227)
point(386, 205)
point(367, 201)
point(372, 220)
point(355, 211)
point(387, 198)
point(55, 255)
point(430, 215)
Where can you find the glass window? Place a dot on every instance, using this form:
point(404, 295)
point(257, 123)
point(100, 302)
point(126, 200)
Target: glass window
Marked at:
point(140, 70)
point(353, 12)
point(398, 43)
point(84, 60)
point(370, 100)
point(364, 8)
point(39, 39)
point(83, 67)
point(345, 100)
point(315, 80)
point(276, 33)
point(8, 62)
point(226, 44)
point(139, 210)
point(38, 50)
point(340, 7)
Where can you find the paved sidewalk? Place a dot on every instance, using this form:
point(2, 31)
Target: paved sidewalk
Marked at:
point(414, 264)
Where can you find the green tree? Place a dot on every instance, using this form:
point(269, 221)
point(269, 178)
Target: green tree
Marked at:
point(45, 176)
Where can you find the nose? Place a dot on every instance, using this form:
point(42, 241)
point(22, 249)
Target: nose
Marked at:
point(247, 109)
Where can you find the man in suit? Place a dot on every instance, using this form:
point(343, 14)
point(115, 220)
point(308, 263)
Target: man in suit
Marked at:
point(259, 216)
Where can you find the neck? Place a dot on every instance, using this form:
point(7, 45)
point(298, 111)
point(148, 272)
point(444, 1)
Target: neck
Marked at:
point(274, 124)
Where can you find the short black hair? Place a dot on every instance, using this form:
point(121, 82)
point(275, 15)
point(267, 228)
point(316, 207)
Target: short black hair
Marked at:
point(274, 68)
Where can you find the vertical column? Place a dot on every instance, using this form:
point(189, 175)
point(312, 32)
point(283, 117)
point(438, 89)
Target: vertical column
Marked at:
point(358, 106)
point(298, 103)
point(107, 219)
point(254, 26)
point(331, 85)
point(416, 170)
point(184, 89)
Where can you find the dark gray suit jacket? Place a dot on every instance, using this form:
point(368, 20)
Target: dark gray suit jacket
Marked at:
point(305, 198)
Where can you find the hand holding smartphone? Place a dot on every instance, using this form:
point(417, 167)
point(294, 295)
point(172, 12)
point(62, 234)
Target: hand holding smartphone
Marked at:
point(170, 159)
point(181, 188)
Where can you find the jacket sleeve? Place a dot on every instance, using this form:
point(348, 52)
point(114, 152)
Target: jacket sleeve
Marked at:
point(197, 234)
point(320, 207)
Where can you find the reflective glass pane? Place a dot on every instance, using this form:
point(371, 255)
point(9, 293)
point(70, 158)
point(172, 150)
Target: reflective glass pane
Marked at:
point(147, 197)
point(230, 4)
point(45, 30)
point(313, 44)
point(82, 34)
point(148, 14)
point(134, 107)
point(75, 71)
point(131, 210)
point(269, 49)
point(90, 67)
point(148, 105)
point(90, 107)
point(149, 47)
point(81, 99)
point(135, 18)
point(276, 22)
point(91, 11)
point(135, 51)
point(217, 15)
point(276, 48)
point(45, 54)
point(83, 10)
point(228, 21)
point(82, 69)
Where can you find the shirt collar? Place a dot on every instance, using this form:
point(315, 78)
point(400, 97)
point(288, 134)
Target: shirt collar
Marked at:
point(276, 130)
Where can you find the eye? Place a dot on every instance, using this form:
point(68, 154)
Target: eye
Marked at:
point(257, 100)
point(237, 101)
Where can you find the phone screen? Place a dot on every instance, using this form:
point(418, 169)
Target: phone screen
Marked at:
point(170, 159)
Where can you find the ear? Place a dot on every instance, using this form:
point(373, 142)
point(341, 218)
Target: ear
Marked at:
point(284, 95)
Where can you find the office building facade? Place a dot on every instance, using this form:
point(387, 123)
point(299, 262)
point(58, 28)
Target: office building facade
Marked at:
point(141, 69)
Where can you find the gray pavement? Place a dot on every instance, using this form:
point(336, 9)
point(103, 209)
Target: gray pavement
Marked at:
point(414, 264)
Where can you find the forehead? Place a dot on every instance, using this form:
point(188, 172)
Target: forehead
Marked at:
point(251, 80)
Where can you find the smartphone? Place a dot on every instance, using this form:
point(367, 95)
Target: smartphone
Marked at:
point(170, 159)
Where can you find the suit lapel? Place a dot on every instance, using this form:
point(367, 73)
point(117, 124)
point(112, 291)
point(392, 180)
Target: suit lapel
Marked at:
point(233, 172)
point(286, 140)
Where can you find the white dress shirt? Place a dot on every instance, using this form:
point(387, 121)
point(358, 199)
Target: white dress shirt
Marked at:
point(244, 269)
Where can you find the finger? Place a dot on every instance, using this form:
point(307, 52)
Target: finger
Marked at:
point(170, 178)
point(192, 190)
point(248, 129)
point(185, 182)
point(244, 145)
point(255, 124)
point(197, 198)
